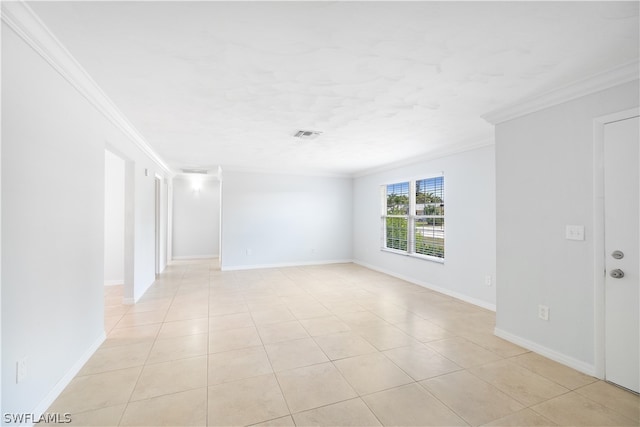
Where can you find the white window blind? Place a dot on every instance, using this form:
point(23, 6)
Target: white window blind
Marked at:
point(413, 217)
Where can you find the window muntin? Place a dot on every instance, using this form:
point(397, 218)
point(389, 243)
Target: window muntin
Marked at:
point(413, 217)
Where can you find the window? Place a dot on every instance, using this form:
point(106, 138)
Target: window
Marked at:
point(413, 217)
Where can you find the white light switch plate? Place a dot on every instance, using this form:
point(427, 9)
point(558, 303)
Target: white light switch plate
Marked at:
point(574, 232)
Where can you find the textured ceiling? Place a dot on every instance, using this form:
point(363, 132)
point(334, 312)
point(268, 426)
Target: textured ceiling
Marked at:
point(229, 83)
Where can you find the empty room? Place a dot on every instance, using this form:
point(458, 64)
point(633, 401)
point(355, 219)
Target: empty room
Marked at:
point(320, 213)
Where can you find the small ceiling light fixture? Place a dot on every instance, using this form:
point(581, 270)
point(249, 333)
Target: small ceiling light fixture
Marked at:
point(196, 178)
point(200, 171)
point(307, 134)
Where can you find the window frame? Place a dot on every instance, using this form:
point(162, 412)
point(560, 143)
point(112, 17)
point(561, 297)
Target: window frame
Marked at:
point(410, 217)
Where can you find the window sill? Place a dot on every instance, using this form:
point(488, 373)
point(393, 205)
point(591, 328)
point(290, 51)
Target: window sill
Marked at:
point(418, 256)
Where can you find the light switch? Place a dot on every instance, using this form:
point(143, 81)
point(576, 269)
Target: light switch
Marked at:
point(574, 232)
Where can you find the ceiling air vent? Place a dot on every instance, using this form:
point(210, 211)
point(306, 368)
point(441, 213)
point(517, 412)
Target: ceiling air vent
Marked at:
point(307, 134)
point(200, 171)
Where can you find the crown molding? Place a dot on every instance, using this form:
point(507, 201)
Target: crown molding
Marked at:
point(28, 26)
point(283, 171)
point(613, 77)
point(436, 154)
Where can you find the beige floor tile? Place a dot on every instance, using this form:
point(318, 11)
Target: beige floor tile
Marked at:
point(411, 405)
point(362, 319)
point(120, 357)
point(371, 372)
point(233, 339)
point(622, 401)
point(495, 344)
point(222, 309)
point(284, 331)
point(523, 418)
point(276, 314)
point(576, 410)
point(395, 315)
point(230, 321)
point(238, 364)
point(188, 311)
point(473, 399)
point(520, 383)
point(188, 408)
point(344, 344)
point(421, 362)
point(115, 310)
point(463, 352)
point(110, 322)
point(178, 348)
point(171, 377)
point(423, 330)
point(181, 328)
point(245, 402)
point(308, 311)
point(343, 307)
point(278, 422)
point(157, 305)
point(295, 354)
point(133, 335)
point(324, 325)
point(143, 318)
point(352, 412)
point(97, 391)
point(563, 375)
point(385, 337)
point(224, 298)
point(113, 300)
point(314, 386)
point(109, 416)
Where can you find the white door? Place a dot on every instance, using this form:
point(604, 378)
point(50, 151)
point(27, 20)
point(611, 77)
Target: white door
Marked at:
point(622, 229)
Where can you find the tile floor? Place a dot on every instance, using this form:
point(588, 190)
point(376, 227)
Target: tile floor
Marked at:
point(336, 345)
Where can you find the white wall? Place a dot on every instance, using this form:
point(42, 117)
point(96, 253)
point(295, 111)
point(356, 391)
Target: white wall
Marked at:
point(53, 143)
point(271, 220)
point(545, 180)
point(470, 226)
point(196, 218)
point(113, 219)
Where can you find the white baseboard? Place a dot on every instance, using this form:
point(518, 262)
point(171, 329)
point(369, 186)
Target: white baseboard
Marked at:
point(284, 264)
point(114, 282)
point(569, 361)
point(454, 294)
point(191, 257)
point(66, 379)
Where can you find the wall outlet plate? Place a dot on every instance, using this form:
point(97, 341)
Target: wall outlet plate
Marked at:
point(21, 370)
point(488, 280)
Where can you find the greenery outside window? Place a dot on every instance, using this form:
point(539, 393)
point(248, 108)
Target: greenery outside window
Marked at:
point(413, 217)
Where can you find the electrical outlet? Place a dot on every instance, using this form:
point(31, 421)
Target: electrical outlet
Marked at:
point(249, 252)
point(21, 370)
point(543, 312)
point(487, 280)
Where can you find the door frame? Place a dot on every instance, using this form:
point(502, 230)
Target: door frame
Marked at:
point(157, 223)
point(598, 233)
